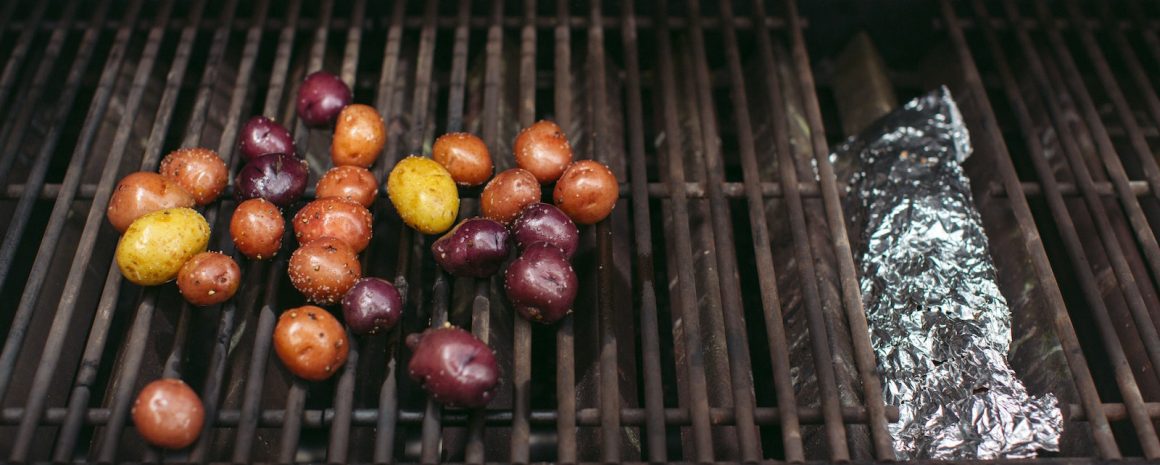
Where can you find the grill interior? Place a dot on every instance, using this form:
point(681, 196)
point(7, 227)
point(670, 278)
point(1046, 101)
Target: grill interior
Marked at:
point(719, 317)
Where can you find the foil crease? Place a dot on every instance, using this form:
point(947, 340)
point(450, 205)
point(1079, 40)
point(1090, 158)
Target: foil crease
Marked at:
point(938, 324)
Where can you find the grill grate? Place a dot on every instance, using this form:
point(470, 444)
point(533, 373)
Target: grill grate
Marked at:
point(721, 317)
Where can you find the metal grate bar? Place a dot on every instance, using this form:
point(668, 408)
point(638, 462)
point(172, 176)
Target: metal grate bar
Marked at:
point(481, 308)
point(736, 341)
point(650, 332)
point(773, 317)
point(565, 345)
point(1101, 430)
point(12, 70)
point(1124, 377)
point(522, 329)
point(339, 445)
point(1143, 85)
point(432, 428)
point(609, 388)
point(247, 297)
point(386, 101)
point(698, 397)
point(267, 314)
point(38, 392)
point(323, 418)
point(1143, 231)
point(1144, 428)
point(13, 134)
point(657, 190)
point(296, 397)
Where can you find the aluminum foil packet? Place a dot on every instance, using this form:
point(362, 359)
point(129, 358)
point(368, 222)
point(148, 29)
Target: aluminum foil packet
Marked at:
point(938, 324)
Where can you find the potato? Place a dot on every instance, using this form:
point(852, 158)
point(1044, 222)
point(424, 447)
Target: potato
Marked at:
point(156, 245)
point(359, 136)
point(424, 194)
point(144, 192)
point(508, 193)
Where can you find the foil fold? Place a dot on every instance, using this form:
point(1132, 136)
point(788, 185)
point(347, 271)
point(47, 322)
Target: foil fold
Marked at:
point(939, 326)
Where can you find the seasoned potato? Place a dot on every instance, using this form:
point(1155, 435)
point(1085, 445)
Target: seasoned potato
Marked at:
point(143, 192)
point(424, 194)
point(359, 136)
point(156, 245)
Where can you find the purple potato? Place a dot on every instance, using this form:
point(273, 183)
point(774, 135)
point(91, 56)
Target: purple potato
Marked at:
point(373, 304)
point(321, 97)
point(542, 222)
point(263, 136)
point(453, 366)
point(278, 177)
point(476, 247)
point(541, 284)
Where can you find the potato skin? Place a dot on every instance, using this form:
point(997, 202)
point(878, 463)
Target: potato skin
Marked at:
point(349, 182)
point(507, 194)
point(209, 278)
point(543, 150)
point(359, 136)
point(342, 219)
point(465, 156)
point(144, 192)
point(311, 343)
point(256, 228)
point(424, 194)
point(199, 170)
point(156, 245)
point(323, 270)
point(587, 192)
point(167, 413)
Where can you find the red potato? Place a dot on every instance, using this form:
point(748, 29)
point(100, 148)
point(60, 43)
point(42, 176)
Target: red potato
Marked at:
point(507, 194)
point(543, 150)
point(542, 222)
point(348, 182)
point(359, 136)
point(465, 156)
point(199, 170)
point(587, 192)
point(338, 218)
point(168, 414)
point(209, 278)
point(453, 366)
point(263, 136)
point(321, 97)
point(257, 228)
point(373, 304)
point(311, 343)
point(143, 192)
point(324, 270)
point(541, 284)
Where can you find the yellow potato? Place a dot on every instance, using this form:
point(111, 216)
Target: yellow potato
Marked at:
point(156, 245)
point(424, 194)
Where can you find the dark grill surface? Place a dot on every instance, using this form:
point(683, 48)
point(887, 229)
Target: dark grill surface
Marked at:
point(720, 316)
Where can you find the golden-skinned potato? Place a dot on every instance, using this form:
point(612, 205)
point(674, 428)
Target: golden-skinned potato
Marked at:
point(156, 245)
point(424, 194)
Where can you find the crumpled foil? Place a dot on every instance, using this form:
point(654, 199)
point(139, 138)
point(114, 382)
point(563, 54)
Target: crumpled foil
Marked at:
point(938, 324)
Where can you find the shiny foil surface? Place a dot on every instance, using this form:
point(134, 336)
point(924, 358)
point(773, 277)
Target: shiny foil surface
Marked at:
point(939, 326)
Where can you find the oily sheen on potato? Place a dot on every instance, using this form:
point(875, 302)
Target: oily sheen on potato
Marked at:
point(424, 194)
point(156, 245)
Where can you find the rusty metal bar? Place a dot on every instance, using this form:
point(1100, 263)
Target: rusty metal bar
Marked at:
point(565, 355)
point(698, 386)
point(1085, 384)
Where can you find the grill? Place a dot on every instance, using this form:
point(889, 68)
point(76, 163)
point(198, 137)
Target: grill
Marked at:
point(720, 317)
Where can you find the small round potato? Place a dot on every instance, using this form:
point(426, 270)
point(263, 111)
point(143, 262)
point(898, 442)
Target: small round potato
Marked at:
point(342, 219)
point(156, 245)
point(359, 136)
point(209, 278)
point(424, 194)
point(144, 192)
point(508, 193)
point(199, 170)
